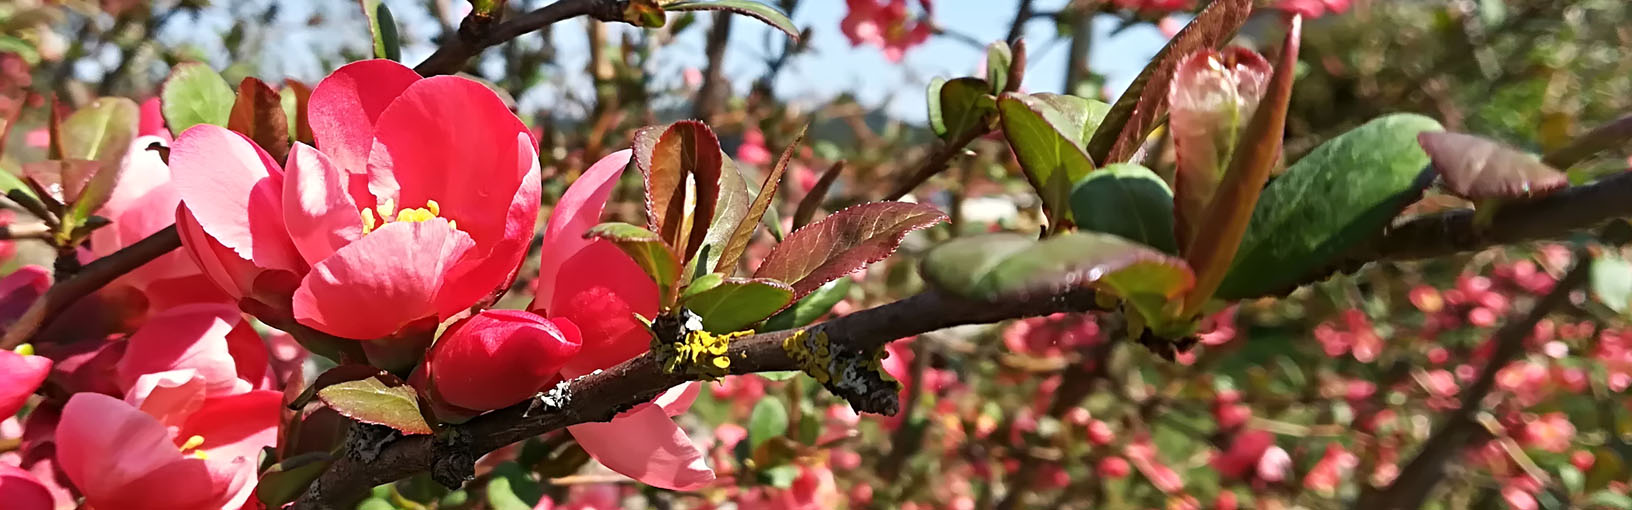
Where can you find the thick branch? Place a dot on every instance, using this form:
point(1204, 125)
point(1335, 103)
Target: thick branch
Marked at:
point(1419, 477)
point(90, 278)
point(473, 37)
point(600, 396)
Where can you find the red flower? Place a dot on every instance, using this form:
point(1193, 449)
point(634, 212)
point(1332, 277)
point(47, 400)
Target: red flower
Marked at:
point(499, 357)
point(21, 491)
point(20, 375)
point(420, 204)
point(885, 23)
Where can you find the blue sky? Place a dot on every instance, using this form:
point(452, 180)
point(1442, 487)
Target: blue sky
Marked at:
point(832, 67)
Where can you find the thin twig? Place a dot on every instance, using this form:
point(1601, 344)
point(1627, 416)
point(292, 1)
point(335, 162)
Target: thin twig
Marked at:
point(458, 49)
point(90, 278)
point(934, 163)
point(817, 194)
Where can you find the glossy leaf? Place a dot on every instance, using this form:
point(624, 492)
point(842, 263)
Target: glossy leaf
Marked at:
point(379, 400)
point(729, 211)
point(1476, 168)
point(1339, 195)
point(744, 231)
point(383, 28)
point(1009, 266)
point(998, 59)
point(1129, 201)
point(1212, 97)
point(961, 106)
point(1135, 112)
point(768, 419)
point(811, 307)
point(933, 97)
point(331, 377)
point(1043, 148)
point(258, 114)
point(843, 243)
point(285, 481)
point(770, 15)
point(647, 250)
point(194, 94)
point(700, 284)
point(681, 163)
point(101, 131)
point(1612, 284)
point(1258, 151)
point(737, 303)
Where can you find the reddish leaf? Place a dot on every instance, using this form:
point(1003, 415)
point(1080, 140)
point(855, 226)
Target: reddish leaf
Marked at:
point(1213, 248)
point(1213, 95)
point(843, 243)
point(258, 114)
point(1130, 120)
point(745, 229)
point(1478, 169)
point(380, 400)
point(301, 128)
point(666, 157)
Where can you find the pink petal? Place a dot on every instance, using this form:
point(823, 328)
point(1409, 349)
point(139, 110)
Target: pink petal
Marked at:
point(21, 491)
point(192, 336)
point(168, 396)
point(344, 106)
point(231, 273)
point(152, 120)
point(235, 191)
point(453, 140)
point(320, 213)
point(601, 290)
point(235, 429)
point(119, 457)
point(578, 210)
point(375, 286)
point(492, 271)
point(19, 376)
point(678, 399)
point(644, 444)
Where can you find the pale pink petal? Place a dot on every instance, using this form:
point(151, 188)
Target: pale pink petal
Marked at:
point(375, 286)
point(344, 106)
point(486, 272)
point(19, 376)
point(452, 140)
point(644, 444)
point(122, 458)
point(168, 396)
point(319, 212)
point(191, 336)
point(578, 210)
point(235, 191)
point(678, 399)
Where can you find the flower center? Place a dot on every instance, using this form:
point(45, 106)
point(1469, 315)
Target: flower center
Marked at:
point(193, 443)
point(388, 212)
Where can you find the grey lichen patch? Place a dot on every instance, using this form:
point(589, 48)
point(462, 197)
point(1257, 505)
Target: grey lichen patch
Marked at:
point(555, 399)
point(856, 376)
point(365, 441)
point(453, 459)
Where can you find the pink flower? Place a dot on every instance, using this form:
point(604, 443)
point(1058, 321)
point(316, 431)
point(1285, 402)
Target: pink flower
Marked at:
point(1244, 454)
point(213, 340)
point(20, 375)
point(21, 491)
point(166, 446)
point(1330, 470)
point(1142, 453)
point(499, 357)
point(1551, 432)
point(885, 23)
point(419, 205)
point(1113, 467)
point(753, 151)
point(1314, 8)
point(600, 290)
point(1274, 465)
point(1053, 335)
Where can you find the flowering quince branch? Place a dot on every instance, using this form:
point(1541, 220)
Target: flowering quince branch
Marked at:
point(1419, 477)
point(473, 36)
point(90, 278)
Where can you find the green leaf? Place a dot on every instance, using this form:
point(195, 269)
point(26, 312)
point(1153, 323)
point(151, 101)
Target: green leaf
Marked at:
point(380, 400)
point(286, 481)
point(933, 96)
point(1479, 169)
point(781, 477)
point(998, 59)
point(1612, 283)
point(295, 95)
point(647, 250)
point(738, 303)
point(1341, 194)
point(744, 231)
point(729, 211)
point(194, 94)
point(770, 15)
point(843, 243)
point(811, 307)
point(383, 29)
point(1574, 481)
point(1043, 148)
point(331, 377)
point(258, 114)
point(1609, 499)
point(1127, 200)
point(500, 496)
point(780, 375)
point(769, 419)
point(1003, 266)
point(963, 106)
point(701, 284)
point(681, 164)
point(102, 133)
point(1132, 117)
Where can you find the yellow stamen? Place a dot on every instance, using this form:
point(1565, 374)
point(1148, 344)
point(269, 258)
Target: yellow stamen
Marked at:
point(25, 349)
point(386, 208)
point(436, 209)
point(200, 455)
point(192, 442)
point(453, 224)
point(368, 221)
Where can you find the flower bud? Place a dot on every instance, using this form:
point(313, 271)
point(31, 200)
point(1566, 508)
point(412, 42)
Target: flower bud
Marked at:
point(499, 357)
